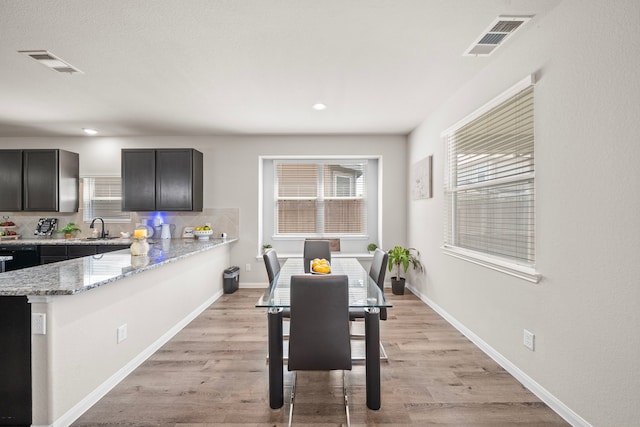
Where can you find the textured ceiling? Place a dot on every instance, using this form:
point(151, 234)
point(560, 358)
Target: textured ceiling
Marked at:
point(202, 67)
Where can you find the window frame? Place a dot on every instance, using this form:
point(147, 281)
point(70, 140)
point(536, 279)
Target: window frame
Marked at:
point(351, 244)
point(86, 213)
point(517, 268)
point(325, 194)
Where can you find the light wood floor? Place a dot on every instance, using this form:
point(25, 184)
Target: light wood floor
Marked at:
point(214, 373)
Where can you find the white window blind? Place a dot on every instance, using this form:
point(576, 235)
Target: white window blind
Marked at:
point(489, 182)
point(102, 197)
point(325, 198)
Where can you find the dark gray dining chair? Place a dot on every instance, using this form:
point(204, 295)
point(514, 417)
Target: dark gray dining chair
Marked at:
point(377, 272)
point(272, 264)
point(315, 249)
point(319, 336)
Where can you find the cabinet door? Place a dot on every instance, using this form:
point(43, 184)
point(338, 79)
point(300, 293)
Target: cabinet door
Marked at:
point(15, 361)
point(78, 251)
point(68, 181)
point(138, 180)
point(103, 249)
point(174, 182)
point(40, 180)
point(11, 179)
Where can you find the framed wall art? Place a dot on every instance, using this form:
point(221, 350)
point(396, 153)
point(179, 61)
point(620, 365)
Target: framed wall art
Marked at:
point(421, 179)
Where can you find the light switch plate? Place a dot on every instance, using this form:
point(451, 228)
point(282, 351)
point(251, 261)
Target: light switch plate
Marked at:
point(39, 324)
point(122, 333)
point(528, 340)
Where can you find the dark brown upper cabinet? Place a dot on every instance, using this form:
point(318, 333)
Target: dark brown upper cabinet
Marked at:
point(161, 180)
point(39, 180)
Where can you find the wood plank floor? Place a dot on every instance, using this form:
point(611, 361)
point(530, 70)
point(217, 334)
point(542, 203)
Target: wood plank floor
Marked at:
point(214, 373)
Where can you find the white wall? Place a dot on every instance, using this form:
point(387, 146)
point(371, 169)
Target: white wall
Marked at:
point(231, 174)
point(585, 312)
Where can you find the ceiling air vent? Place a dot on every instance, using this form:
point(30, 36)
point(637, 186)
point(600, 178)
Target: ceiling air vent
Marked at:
point(50, 60)
point(499, 31)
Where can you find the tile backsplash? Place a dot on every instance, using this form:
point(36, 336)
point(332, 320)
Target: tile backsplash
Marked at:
point(222, 220)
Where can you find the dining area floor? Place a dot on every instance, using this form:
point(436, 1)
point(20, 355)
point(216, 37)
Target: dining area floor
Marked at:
point(214, 373)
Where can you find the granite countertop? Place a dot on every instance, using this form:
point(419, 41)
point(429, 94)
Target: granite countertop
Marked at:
point(78, 241)
point(82, 274)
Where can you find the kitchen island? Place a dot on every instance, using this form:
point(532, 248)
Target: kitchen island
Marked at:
point(90, 321)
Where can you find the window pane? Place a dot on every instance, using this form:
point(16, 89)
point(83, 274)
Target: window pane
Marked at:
point(297, 216)
point(495, 220)
point(297, 180)
point(321, 197)
point(489, 185)
point(344, 216)
point(102, 197)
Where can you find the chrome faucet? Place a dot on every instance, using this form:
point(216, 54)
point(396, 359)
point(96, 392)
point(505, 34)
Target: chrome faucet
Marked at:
point(102, 234)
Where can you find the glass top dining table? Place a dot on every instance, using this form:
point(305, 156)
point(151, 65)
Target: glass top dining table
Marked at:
point(364, 293)
point(363, 290)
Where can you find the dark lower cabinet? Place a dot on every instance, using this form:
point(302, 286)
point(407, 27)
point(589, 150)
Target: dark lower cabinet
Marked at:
point(53, 253)
point(15, 361)
point(103, 249)
point(56, 253)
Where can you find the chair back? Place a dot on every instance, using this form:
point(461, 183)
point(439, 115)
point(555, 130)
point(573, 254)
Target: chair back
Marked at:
point(315, 249)
point(272, 264)
point(378, 271)
point(379, 266)
point(319, 330)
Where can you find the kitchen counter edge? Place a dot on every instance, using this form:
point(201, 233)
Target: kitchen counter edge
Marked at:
point(60, 242)
point(47, 280)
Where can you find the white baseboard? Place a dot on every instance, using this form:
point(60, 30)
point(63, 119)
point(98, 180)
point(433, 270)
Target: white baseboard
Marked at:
point(543, 394)
point(254, 285)
point(92, 398)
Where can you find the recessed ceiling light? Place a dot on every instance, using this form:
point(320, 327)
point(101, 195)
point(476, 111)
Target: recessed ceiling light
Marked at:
point(90, 131)
point(319, 106)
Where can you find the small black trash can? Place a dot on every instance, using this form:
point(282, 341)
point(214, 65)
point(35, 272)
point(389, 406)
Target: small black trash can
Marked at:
point(231, 279)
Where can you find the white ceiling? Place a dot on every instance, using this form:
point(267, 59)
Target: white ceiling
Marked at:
point(202, 67)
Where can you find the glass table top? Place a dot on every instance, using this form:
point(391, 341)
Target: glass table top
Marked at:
point(363, 291)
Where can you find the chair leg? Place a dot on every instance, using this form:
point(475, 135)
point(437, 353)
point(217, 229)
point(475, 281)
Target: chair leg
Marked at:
point(383, 353)
point(346, 397)
point(345, 394)
point(293, 392)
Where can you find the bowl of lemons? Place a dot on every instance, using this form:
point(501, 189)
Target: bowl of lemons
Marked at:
point(203, 233)
point(320, 266)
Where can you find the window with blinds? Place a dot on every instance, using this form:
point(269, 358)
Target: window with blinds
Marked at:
point(489, 182)
point(102, 197)
point(320, 197)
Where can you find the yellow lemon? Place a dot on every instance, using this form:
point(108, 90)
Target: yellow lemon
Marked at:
point(322, 268)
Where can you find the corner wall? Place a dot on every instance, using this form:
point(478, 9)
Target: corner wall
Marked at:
point(586, 309)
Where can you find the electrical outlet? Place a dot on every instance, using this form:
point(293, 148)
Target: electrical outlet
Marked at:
point(529, 340)
point(247, 267)
point(39, 323)
point(122, 333)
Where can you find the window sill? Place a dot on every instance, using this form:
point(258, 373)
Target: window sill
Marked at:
point(522, 272)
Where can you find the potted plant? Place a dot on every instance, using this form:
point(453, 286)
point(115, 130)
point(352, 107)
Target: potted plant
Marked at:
point(266, 248)
point(371, 247)
point(399, 256)
point(69, 230)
